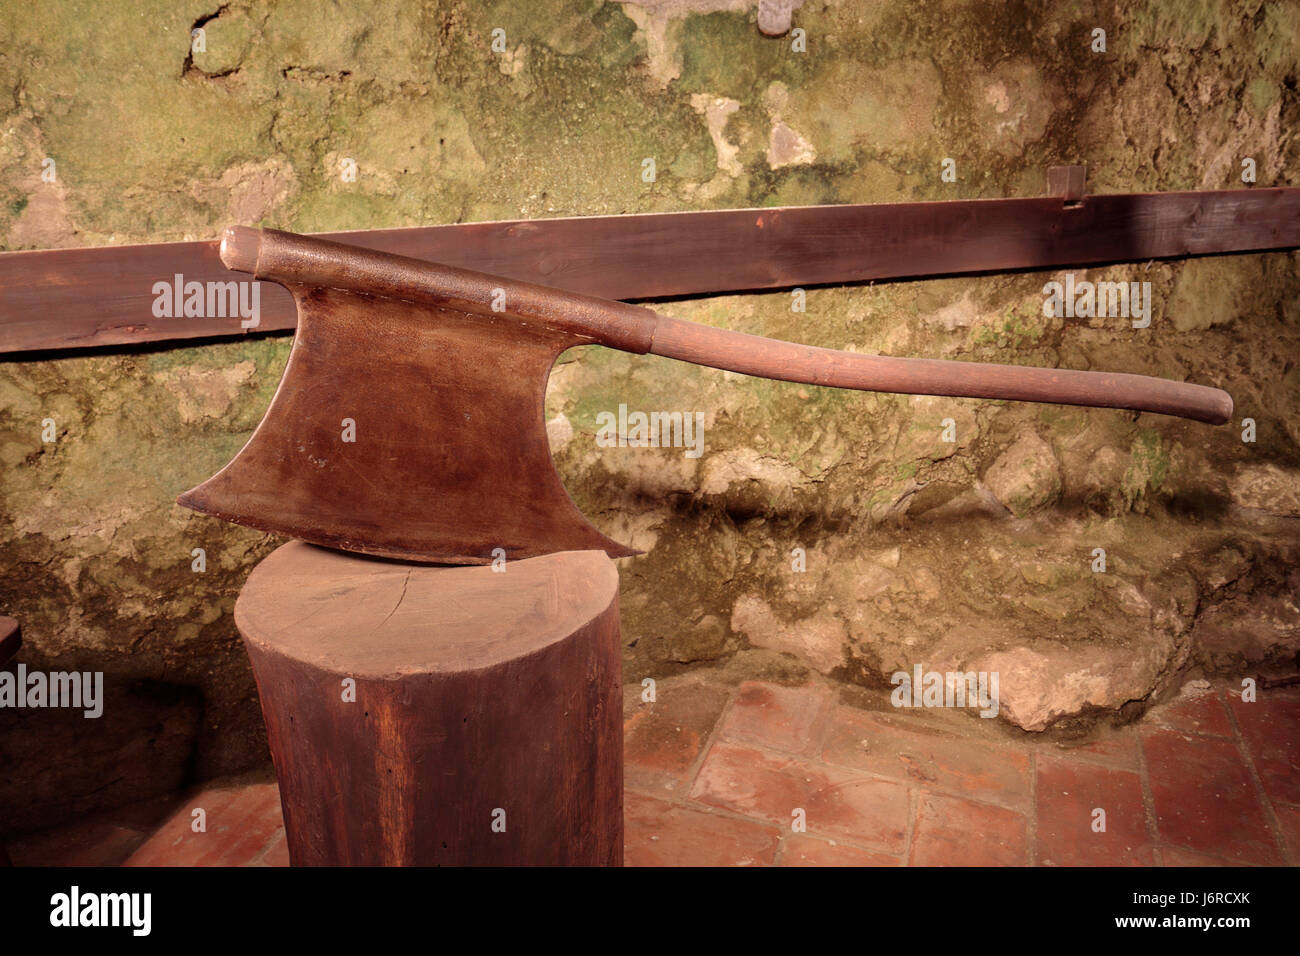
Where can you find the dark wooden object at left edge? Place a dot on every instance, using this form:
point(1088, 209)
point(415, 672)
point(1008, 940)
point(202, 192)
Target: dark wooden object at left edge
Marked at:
point(11, 639)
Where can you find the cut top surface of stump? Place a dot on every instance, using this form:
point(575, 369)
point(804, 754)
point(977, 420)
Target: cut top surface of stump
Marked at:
point(374, 618)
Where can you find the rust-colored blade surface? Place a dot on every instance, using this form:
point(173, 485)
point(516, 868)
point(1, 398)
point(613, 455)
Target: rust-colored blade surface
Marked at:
point(447, 459)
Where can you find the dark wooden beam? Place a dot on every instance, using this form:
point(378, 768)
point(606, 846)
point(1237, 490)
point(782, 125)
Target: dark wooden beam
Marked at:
point(77, 298)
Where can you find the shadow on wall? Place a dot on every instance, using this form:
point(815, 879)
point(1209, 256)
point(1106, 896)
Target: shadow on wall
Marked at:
point(57, 764)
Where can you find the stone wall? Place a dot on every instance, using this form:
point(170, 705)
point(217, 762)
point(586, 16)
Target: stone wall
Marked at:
point(975, 553)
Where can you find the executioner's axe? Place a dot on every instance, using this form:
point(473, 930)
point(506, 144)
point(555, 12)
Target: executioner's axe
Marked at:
point(442, 372)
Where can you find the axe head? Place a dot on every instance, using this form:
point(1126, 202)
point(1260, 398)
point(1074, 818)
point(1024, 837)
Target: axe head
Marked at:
point(406, 430)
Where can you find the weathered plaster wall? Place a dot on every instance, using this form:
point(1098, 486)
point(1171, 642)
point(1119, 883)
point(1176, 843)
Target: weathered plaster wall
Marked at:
point(974, 553)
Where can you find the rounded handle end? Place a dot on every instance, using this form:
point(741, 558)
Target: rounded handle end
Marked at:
point(240, 247)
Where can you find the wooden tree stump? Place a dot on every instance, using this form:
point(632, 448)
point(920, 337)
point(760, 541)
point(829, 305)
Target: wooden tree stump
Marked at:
point(423, 715)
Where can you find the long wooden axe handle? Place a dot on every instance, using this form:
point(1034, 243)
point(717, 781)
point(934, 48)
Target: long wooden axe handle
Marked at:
point(311, 262)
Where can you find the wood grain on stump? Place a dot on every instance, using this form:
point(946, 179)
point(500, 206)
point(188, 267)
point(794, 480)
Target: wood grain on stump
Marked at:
point(484, 722)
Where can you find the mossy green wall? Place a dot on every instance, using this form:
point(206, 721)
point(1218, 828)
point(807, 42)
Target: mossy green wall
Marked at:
point(916, 549)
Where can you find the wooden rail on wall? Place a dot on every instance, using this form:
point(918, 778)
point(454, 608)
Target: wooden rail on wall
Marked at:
point(79, 298)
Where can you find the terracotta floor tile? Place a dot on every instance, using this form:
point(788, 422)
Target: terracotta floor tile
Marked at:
point(781, 718)
point(1178, 856)
point(277, 854)
point(1068, 792)
point(801, 850)
point(886, 746)
point(952, 831)
point(1288, 819)
point(1201, 714)
point(1118, 748)
point(1271, 729)
point(241, 824)
point(1205, 799)
point(772, 787)
point(663, 738)
point(658, 833)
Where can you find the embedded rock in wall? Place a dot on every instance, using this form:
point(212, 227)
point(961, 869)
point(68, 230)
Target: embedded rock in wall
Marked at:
point(1251, 632)
point(1268, 488)
point(818, 641)
point(1047, 682)
point(1026, 476)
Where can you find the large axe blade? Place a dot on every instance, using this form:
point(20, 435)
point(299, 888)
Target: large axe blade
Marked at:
point(409, 422)
point(407, 431)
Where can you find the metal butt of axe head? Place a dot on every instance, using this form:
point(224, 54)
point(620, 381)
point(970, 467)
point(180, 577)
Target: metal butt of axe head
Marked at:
point(404, 429)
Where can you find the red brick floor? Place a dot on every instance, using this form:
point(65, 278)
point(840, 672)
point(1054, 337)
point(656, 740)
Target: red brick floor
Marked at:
point(762, 774)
